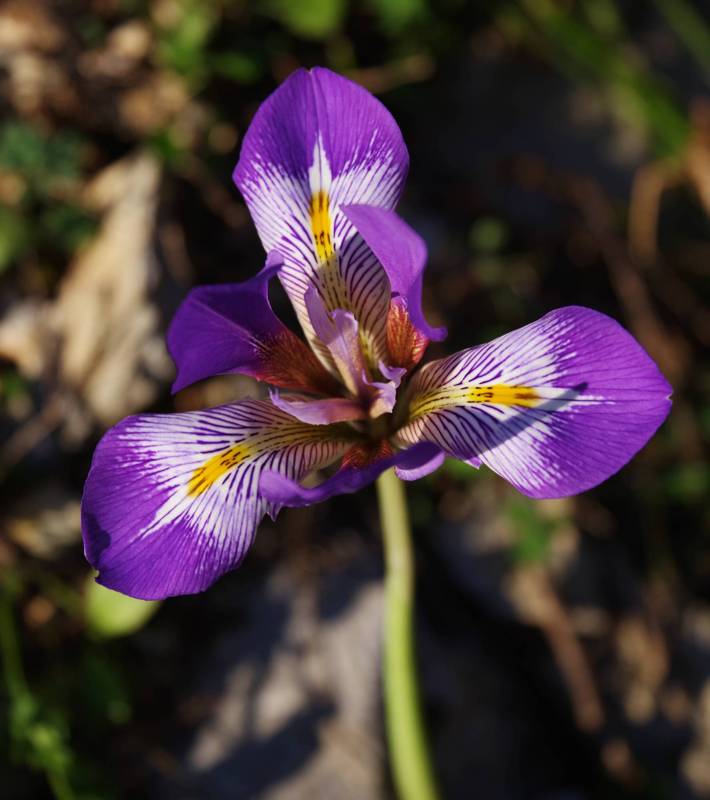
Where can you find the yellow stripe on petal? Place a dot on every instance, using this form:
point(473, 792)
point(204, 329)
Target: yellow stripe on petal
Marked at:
point(504, 395)
point(321, 225)
point(496, 394)
point(213, 469)
point(285, 435)
point(333, 289)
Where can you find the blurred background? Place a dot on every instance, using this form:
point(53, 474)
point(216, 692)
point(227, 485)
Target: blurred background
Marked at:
point(560, 154)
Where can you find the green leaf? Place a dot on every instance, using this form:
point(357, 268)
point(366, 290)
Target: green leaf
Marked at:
point(488, 235)
point(110, 613)
point(312, 19)
point(68, 226)
point(394, 15)
point(14, 236)
point(183, 46)
point(38, 156)
point(533, 533)
point(688, 483)
point(236, 66)
point(165, 146)
point(105, 693)
point(12, 384)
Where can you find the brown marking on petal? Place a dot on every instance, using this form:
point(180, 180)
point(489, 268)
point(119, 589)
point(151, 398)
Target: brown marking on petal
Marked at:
point(290, 364)
point(360, 455)
point(406, 345)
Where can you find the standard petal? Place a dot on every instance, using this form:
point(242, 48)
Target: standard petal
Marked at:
point(232, 328)
point(317, 143)
point(361, 466)
point(402, 253)
point(172, 503)
point(555, 407)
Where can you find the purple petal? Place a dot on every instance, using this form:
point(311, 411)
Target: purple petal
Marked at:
point(421, 470)
point(555, 407)
point(402, 253)
point(394, 374)
point(319, 412)
point(287, 492)
point(232, 328)
point(172, 503)
point(317, 143)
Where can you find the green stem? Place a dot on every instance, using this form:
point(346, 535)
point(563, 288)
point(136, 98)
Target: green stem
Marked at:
point(411, 765)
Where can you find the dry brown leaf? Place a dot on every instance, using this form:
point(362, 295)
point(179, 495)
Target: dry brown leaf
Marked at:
point(45, 521)
point(28, 25)
point(152, 104)
point(107, 326)
point(99, 344)
point(124, 48)
point(643, 658)
point(24, 337)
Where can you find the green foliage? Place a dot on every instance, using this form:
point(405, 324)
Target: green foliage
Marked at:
point(14, 236)
point(312, 19)
point(38, 735)
point(488, 235)
point(110, 614)
point(67, 225)
point(46, 164)
point(164, 145)
point(12, 384)
point(104, 689)
point(688, 483)
point(396, 15)
point(237, 66)
point(691, 29)
point(533, 532)
point(597, 53)
point(39, 157)
point(421, 509)
point(182, 45)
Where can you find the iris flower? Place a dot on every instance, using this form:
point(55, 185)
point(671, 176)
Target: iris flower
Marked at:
point(172, 502)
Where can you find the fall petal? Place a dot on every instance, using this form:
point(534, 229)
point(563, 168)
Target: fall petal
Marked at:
point(172, 501)
point(555, 407)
